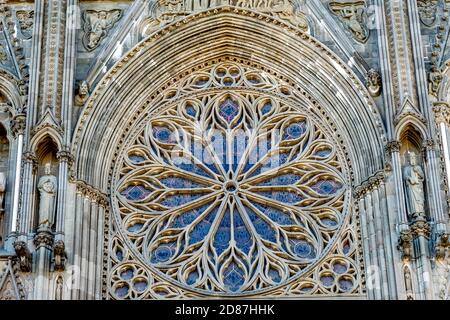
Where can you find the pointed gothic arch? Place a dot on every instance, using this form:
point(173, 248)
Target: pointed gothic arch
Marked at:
point(310, 75)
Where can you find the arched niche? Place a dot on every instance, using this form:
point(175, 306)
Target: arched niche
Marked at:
point(4, 169)
point(411, 142)
point(46, 154)
point(313, 78)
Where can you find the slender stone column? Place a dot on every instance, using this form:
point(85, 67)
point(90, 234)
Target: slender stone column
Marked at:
point(85, 246)
point(388, 248)
point(18, 128)
point(380, 240)
point(28, 197)
point(76, 257)
point(93, 240)
point(44, 246)
point(367, 256)
point(100, 244)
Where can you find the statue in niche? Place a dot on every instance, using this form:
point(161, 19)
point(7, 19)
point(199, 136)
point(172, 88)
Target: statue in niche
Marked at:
point(414, 179)
point(47, 187)
point(353, 15)
point(83, 94)
point(97, 25)
point(2, 191)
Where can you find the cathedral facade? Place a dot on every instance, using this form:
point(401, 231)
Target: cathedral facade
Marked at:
point(196, 149)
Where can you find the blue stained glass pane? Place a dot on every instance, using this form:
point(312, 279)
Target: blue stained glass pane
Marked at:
point(192, 278)
point(229, 109)
point(163, 253)
point(274, 275)
point(275, 215)
point(242, 237)
point(188, 166)
point(188, 217)
point(339, 268)
point(303, 249)
point(190, 110)
point(136, 193)
point(266, 108)
point(327, 187)
point(163, 134)
point(180, 183)
point(203, 155)
point(140, 285)
point(262, 227)
point(136, 159)
point(295, 131)
point(223, 233)
point(327, 280)
point(282, 196)
point(283, 180)
point(179, 200)
point(329, 222)
point(233, 277)
point(324, 153)
point(345, 284)
point(122, 291)
point(119, 254)
point(200, 231)
point(135, 227)
point(127, 274)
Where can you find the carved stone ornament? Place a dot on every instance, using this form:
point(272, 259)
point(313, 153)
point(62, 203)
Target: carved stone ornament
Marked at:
point(59, 255)
point(24, 256)
point(353, 14)
point(18, 124)
point(97, 25)
point(427, 11)
point(374, 83)
point(435, 78)
point(82, 95)
point(441, 245)
point(43, 239)
point(405, 245)
point(26, 21)
point(167, 11)
point(3, 55)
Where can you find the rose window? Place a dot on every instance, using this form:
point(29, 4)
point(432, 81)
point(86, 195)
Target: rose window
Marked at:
point(230, 192)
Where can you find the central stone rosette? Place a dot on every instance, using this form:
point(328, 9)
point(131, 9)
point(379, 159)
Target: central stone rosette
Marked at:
point(231, 192)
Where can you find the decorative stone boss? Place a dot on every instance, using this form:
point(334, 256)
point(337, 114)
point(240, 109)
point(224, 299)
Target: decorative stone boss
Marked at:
point(47, 187)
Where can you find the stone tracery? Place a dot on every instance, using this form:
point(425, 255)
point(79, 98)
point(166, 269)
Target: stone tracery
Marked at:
point(230, 190)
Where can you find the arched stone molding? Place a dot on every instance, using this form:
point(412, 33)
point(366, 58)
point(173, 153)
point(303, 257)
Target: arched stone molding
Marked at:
point(444, 88)
point(42, 135)
point(14, 90)
point(278, 48)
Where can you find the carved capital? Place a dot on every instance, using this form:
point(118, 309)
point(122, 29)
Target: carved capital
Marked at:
point(43, 238)
point(392, 146)
point(18, 124)
point(442, 112)
point(421, 228)
point(59, 255)
point(24, 256)
point(65, 156)
point(428, 145)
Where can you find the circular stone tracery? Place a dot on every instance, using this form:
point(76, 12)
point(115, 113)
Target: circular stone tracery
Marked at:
point(231, 191)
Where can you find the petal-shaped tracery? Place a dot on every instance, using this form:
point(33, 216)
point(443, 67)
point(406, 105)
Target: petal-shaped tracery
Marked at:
point(232, 191)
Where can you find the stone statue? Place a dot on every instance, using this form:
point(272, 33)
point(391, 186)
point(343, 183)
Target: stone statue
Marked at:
point(414, 179)
point(435, 79)
point(83, 94)
point(374, 83)
point(2, 190)
point(48, 189)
